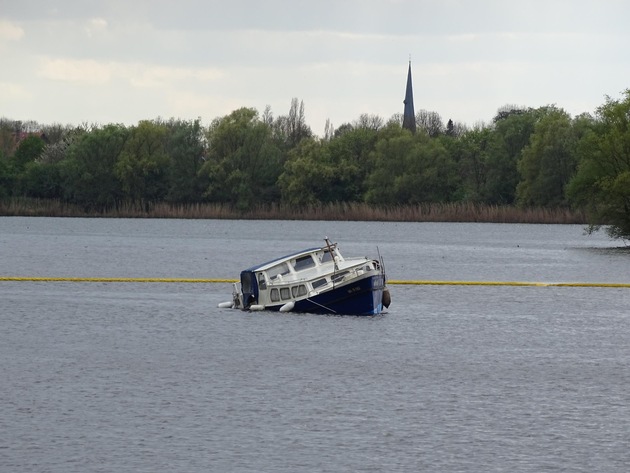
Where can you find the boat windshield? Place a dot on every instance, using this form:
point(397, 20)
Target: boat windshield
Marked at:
point(278, 270)
point(326, 256)
point(304, 262)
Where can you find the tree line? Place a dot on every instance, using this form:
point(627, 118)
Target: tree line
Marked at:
point(529, 157)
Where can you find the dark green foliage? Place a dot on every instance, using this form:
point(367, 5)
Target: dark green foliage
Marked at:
point(244, 161)
point(329, 171)
point(88, 173)
point(185, 147)
point(142, 163)
point(410, 169)
point(511, 134)
point(6, 179)
point(308, 175)
point(471, 154)
point(42, 180)
point(549, 160)
point(532, 157)
point(28, 150)
point(602, 183)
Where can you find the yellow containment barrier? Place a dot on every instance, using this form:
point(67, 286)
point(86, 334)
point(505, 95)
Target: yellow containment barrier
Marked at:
point(57, 279)
point(392, 282)
point(510, 283)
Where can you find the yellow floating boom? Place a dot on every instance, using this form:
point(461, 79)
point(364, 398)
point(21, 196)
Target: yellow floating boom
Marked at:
point(510, 283)
point(58, 279)
point(392, 282)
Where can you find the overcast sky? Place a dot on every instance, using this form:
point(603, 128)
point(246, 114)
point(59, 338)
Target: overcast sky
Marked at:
point(76, 61)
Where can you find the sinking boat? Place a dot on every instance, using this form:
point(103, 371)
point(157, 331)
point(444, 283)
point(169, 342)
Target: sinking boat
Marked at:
point(316, 280)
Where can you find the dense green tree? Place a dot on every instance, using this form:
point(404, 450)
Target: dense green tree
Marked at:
point(243, 162)
point(320, 171)
point(471, 153)
point(602, 182)
point(307, 174)
point(142, 164)
point(410, 169)
point(26, 153)
point(88, 171)
point(549, 160)
point(352, 151)
point(28, 150)
point(393, 145)
point(6, 179)
point(6, 149)
point(185, 147)
point(42, 180)
point(341, 130)
point(511, 133)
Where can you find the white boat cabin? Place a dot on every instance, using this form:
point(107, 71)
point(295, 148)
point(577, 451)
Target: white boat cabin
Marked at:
point(300, 275)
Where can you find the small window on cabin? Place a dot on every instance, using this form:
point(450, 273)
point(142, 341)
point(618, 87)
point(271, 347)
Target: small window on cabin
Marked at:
point(326, 256)
point(278, 270)
point(262, 284)
point(304, 262)
point(319, 283)
point(275, 295)
point(339, 276)
point(297, 291)
point(285, 293)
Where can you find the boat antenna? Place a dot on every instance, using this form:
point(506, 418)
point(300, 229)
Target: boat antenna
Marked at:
point(331, 253)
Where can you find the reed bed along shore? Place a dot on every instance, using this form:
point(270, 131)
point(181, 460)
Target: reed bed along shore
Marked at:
point(428, 212)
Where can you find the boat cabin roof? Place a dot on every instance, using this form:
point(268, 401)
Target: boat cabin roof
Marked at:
point(274, 262)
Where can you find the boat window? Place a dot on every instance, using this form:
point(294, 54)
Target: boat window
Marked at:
point(278, 270)
point(275, 295)
point(284, 293)
point(338, 276)
point(297, 291)
point(304, 262)
point(262, 284)
point(326, 256)
point(319, 283)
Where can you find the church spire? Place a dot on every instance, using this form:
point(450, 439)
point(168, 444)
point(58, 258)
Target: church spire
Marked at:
point(409, 115)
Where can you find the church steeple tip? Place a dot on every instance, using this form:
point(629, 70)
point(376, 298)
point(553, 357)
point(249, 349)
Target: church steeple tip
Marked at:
point(409, 115)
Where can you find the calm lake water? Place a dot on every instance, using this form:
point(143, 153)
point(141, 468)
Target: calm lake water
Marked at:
point(149, 377)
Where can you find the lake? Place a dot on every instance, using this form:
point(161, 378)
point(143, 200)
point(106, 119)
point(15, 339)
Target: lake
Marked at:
point(149, 377)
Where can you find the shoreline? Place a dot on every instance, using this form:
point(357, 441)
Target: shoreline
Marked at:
point(342, 211)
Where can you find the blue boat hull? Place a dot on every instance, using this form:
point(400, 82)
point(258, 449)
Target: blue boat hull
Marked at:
point(361, 297)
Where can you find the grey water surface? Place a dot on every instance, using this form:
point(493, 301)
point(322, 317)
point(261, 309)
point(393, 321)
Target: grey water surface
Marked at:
point(149, 377)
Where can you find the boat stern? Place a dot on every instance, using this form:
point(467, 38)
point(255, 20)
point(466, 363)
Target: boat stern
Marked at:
point(249, 289)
